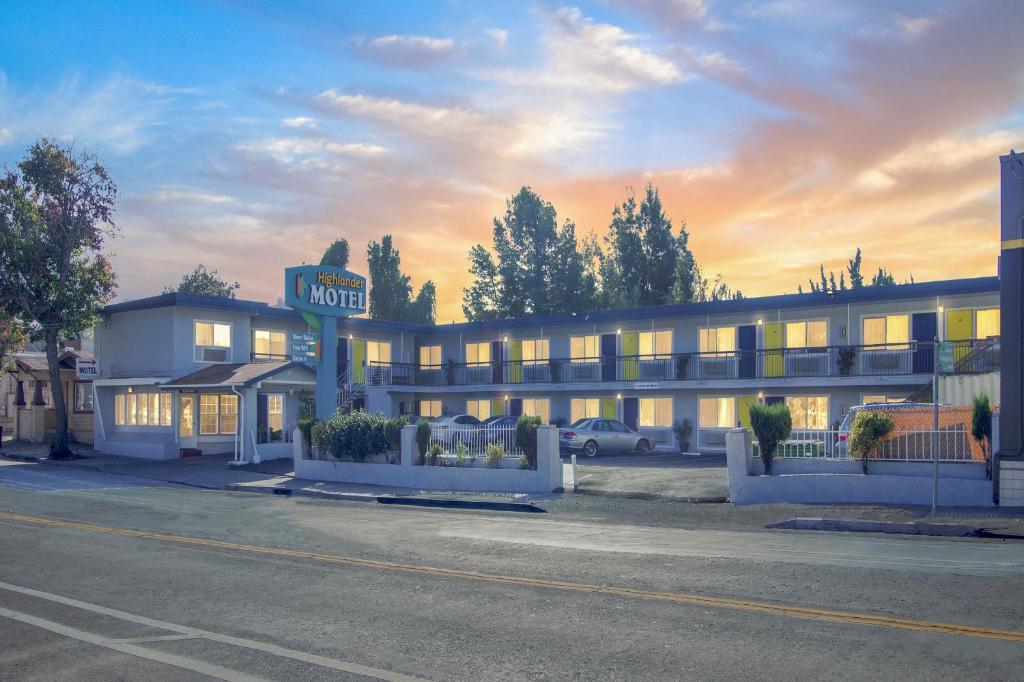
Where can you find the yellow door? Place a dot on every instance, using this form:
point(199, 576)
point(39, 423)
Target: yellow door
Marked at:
point(609, 409)
point(960, 327)
point(743, 404)
point(358, 361)
point(773, 339)
point(515, 358)
point(497, 407)
point(630, 349)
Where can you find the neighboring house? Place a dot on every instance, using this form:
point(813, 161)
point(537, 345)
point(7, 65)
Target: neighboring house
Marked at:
point(28, 400)
point(707, 362)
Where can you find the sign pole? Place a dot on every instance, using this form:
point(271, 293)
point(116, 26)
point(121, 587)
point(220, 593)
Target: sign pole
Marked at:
point(935, 426)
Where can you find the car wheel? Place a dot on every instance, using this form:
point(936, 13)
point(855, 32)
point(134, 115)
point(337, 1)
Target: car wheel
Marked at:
point(642, 447)
point(590, 448)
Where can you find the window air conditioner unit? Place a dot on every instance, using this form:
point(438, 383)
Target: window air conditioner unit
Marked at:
point(883, 361)
point(807, 365)
point(213, 354)
point(717, 368)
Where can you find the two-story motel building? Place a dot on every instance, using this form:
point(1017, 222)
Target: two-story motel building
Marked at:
point(187, 374)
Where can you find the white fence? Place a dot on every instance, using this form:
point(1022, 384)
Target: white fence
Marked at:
point(955, 444)
point(476, 439)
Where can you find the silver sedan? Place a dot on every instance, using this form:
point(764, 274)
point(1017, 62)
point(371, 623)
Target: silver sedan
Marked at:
point(590, 436)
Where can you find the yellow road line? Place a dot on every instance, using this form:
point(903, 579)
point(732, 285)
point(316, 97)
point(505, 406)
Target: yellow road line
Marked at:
point(674, 597)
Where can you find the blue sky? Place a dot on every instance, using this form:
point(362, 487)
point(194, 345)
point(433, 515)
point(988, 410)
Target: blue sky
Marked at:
point(248, 135)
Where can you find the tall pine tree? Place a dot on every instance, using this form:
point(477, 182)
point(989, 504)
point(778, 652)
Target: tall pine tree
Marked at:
point(391, 289)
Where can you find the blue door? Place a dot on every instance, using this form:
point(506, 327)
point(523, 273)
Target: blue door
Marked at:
point(924, 328)
point(515, 407)
point(608, 357)
point(631, 412)
point(746, 339)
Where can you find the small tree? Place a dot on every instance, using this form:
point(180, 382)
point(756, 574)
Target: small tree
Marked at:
point(336, 254)
point(866, 432)
point(771, 424)
point(526, 438)
point(981, 428)
point(55, 213)
point(205, 283)
point(423, 438)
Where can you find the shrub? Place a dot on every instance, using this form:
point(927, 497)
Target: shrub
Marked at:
point(493, 455)
point(523, 462)
point(357, 435)
point(771, 424)
point(423, 438)
point(683, 429)
point(981, 428)
point(434, 454)
point(526, 438)
point(316, 433)
point(558, 422)
point(867, 430)
point(305, 425)
point(393, 432)
point(461, 453)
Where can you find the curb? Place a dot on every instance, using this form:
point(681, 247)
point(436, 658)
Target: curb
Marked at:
point(444, 503)
point(948, 530)
point(655, 497)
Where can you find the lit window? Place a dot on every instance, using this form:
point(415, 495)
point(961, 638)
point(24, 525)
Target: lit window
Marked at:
point(876, 399)
point(718, 340)
point(808, 412)
point(537, 407)
point(142, 409)
point(378, 352)
point(478, 353)
point(655, 344)
point(119, 407)
point(535, 351)
point(154, 409)
point(807, 334)
point(430, 358)
point(717, 413)
point(893, 330)
point(165, 409)
point(209, 409)
point(430, 408)
point(481, 409)
point(655, 412)
point(585, 408)
point(275, 412)
point(83, 396)
point(267, 342)
point(585, 348)
point(213, 334)
point(987, 323)
point(228, 413)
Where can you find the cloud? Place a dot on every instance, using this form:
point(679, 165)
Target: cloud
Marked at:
point(406, 51)
point(5, 136)
point(499, 35)
point(184, 194)
point(299, 122)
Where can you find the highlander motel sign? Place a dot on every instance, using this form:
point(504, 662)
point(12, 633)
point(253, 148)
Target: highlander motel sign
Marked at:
point(322, 294)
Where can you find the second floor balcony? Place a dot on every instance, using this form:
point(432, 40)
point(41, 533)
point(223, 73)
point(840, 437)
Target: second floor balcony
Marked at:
point(902, 359)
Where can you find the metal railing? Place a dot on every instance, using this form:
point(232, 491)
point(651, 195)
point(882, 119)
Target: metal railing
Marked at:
point(955, 444)
point(269, 357)
point(476, 439)
point(898, 359)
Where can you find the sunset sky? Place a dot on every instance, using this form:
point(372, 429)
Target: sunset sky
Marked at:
point(249, 135)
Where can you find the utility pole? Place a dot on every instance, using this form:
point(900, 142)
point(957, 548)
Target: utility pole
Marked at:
point(935, 425)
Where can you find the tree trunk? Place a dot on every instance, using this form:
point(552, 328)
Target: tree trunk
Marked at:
point(59, 446)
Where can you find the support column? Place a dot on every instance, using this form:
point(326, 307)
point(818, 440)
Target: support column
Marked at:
point(327, 369)
point(1011, 305)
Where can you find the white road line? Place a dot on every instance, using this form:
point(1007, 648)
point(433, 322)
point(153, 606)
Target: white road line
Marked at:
point(266, 647)
point(184, 662)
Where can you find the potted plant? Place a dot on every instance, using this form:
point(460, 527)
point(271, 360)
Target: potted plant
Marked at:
point(771, 425)
point(683, 429)
point(449, 371)
point(846, 357)
point(555, 368)
point(681, 364)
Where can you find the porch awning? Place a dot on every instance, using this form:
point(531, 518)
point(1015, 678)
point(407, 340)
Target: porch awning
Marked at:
point(227, 375)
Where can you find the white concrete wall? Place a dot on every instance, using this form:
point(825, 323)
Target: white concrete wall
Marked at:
point(547, 477)
point(822, 481)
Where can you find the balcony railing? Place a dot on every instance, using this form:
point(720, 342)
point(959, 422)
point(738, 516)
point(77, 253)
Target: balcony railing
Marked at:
point(269, 357)
point(898, 359)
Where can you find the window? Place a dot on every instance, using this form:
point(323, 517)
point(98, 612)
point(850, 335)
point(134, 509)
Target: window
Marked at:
point(430, 408)
point(807, 334)
point(378, 352)
point(132, 402)
point(717, 413)
point(142, 409)
point(986, 323)
point(809, 412)
point(83, 396)
point(585, 408)
point(585, 348)
point(718, 340)
point(218, 413)
point(119, 408)
point(212, 341)
point(154, 409)
point(228, 413)
point(888, 330)
point(876, 399)
point(275, 412)
point(165, 409)
point(537, 407)
point(481, 409)
point(535, 351)
point(430, 358)
point(656, 344)
point(655, 412)
point(186, 423)
point(266, 342)
point(478, 353)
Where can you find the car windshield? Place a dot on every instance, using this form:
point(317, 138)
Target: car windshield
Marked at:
point(581, 423)
point(491, 420)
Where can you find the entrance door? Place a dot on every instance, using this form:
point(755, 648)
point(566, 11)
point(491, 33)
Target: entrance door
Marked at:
point(631, 412)
point(608, 357)
point(747, 342)
point(924, 328)
point(187, 421)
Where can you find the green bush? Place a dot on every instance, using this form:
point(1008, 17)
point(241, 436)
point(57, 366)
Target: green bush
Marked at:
point(523, 462)
point(981, 428)
point(461, 454)
point(867, 430)
point(434, 454)
point(683, 429)
point(771, 424)
point(393, 432)
point(305, 425)
point(423, 438)
point(356, 435)
point(526, 438)
point(493, 455)
point(316, 432)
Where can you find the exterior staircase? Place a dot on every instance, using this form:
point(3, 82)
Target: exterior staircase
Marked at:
point(349, 393)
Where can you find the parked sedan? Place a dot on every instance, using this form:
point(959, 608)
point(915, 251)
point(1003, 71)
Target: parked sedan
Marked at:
point(461, 428)
point(590, 436)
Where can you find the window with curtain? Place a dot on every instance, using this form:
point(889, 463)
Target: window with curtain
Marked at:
point(718, 339)
point(481, 409)
point(811, 334)
point(213, 334)
point(986, 323)
point(655, 344)
point(268, 342)
point(378, 352)
point(83, 396)
point(585, 408)
point(430, 408)
point(535, 351)
point(430, 357)
point(655, 412)
point(809, 412)
point(478, 353)
point(119, 409)
point(717, 413)
point(537, 407)
point(585, 348)
point(891, 330)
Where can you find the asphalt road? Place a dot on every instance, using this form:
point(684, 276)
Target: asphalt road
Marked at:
point(108, 577)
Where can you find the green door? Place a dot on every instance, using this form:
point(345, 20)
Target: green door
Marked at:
point(609, 409)
point(772, 340)
point(358, 361)
point(630, 349)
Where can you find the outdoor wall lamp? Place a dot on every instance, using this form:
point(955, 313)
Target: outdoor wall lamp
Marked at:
point(618, 396)
point(618, 331)
point(760, 322)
